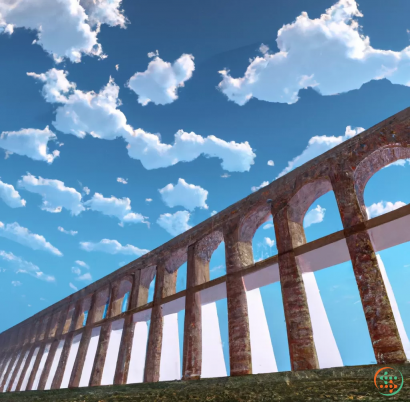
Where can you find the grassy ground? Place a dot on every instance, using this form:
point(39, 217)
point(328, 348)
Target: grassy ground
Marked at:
point(338, 384)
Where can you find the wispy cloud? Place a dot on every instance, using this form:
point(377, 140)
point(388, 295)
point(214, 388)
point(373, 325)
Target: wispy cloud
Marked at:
point(20, 265)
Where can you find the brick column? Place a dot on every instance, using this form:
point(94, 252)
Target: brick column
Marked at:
point(58, 378)
point(165, 283)
point(83, 347)
point(197, 273)
point(138, 297)
point(298, 324)
point(385, 337)
point(238, 255)
point(103, 340)
point(53, 349)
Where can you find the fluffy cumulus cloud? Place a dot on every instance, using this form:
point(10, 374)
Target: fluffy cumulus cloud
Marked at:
point(16, 283)
point(269, 242)
point(69, 232)
point(117, 207)
point(65, 28)
point(113, 247)
point(121, 180)
point(29, 142)
point(153, 154)
point(271, 163)
point(213, 213)
point(80, 113)
point(54, 193)
point(317, 145)
point(256, 188)
point(21, 266)
point(10, 196)
point(187, 195)
point(73, 286)
point(20, 234)
point(160, 82)
point(176, 223)
point(328, 53)
point(315, 215)
point(383, 207)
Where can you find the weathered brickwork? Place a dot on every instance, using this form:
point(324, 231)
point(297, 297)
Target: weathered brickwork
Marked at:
point(345, 170)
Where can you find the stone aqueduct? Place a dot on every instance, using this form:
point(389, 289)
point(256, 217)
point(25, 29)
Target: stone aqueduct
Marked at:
point(34, 353)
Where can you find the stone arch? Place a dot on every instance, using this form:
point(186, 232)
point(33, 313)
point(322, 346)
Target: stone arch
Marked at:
point(204, 252)
point(83, 315)
point(101, 304)
point(122, 295)
point(372, 164)
point(251, 221)
point(249, 224)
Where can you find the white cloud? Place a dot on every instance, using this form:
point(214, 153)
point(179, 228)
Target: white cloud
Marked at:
point(218, 268)
point(85, 277)
point(187, 195)
point(82, 264)
point(400, 162)
point(263, 48)
point(55, 84)
point(160, 82)
point(176, 223)
point(328, 53)
point(65, 28)
point(22, 266)
point(271, 163)
point(117, 67)
point(225, 175)
point(86, 190)
point(16, 283)
point(72, 286)
point(270, 242)
point(383, 207)
point(10, 196)
point(315, 215)
point(121, 180)
point(268, 226)
point(153, 154)
point(76, 270)
point(213, 213)
point(54, 193)
point(148, 199)
point(97, 115)
point(317, 145)
point(256, 188)
point(29, 142)
point(153, 54)
point(113, 247)
point(117, 207)
point(69, 232)
point(20, 234)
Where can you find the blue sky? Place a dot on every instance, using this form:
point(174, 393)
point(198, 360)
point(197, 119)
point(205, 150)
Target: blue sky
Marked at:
point(181, 66)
